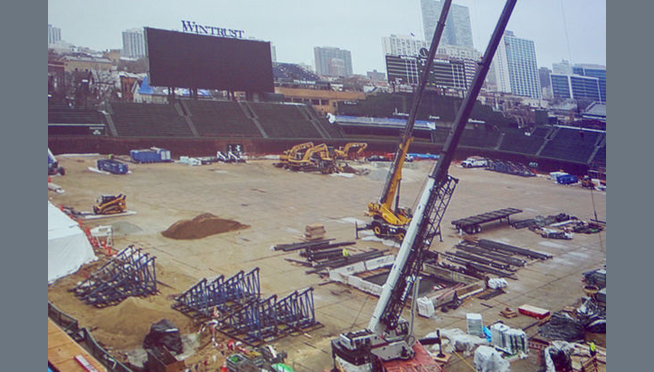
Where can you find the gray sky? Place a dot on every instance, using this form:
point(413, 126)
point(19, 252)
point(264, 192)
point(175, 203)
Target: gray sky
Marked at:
point(573, 30)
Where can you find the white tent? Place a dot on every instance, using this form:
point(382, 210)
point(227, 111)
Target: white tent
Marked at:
point(68, 246)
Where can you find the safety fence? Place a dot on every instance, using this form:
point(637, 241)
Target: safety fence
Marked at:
point(83, 337)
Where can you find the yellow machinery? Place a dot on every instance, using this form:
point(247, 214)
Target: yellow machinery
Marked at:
point(344, 152)
point(110, 204)
point(386, 220)
point(294, 152)
point(317, 157)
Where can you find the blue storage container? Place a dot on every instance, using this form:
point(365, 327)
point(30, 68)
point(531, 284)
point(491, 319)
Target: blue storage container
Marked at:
point(112, 166)
point(154, 155)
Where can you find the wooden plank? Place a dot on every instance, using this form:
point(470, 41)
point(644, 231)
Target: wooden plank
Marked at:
point(62, 350)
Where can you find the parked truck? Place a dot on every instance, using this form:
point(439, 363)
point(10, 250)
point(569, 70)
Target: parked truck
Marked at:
point(474, 162)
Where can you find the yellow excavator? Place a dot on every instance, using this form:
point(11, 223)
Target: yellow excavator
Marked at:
point(347, 151)
point(294, 152)
point(317, 157)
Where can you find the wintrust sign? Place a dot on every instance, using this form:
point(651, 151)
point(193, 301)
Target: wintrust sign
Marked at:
point(190, 26)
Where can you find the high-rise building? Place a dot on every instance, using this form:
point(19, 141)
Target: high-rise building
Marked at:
point(403, 45)
point(577, 87)
point(515, 67)
point(133, 43)
point(54, 34)
point(563, 68)
point(332, 61)
point(457, 31)
point(597, 71)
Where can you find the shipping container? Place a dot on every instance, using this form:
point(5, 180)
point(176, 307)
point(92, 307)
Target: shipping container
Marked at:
point(112, 166)
point(152, 155)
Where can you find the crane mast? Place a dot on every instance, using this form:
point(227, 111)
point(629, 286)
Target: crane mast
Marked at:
point(387, 336)
point(387, 221)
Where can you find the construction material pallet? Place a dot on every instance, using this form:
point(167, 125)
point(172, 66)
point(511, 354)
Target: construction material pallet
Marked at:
point(472, 224)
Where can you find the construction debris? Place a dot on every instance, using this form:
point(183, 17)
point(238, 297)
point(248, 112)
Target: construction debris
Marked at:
point(130, 273)
point(315, 232)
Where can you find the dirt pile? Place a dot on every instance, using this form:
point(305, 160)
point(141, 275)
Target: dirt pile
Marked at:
point(125, 325)
point(201, 226)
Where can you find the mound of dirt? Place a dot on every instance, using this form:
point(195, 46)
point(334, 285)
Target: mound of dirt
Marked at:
point(126, 324)
point(201, 226)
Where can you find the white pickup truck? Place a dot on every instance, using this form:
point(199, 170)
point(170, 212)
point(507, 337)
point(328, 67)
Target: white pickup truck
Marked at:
point(474, 162)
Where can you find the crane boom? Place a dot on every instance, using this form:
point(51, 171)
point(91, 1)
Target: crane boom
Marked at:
point(386, 220)
point(387, 336)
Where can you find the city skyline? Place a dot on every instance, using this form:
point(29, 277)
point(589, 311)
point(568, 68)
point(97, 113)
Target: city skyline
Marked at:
point(296, 27)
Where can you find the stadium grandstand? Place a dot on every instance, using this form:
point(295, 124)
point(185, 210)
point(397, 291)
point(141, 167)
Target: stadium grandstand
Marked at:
point(258, 110)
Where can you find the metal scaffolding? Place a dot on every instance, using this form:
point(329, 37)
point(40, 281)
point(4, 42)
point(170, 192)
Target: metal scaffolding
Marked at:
point(234, 307)
point(219, 295)
point(270, 319)
point(130, 273)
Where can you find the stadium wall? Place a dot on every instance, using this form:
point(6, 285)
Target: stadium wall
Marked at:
point(259, 146)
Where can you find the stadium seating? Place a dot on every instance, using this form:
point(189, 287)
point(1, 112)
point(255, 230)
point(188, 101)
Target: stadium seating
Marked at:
point(64, 115)
point(480, 138)
point(220, 119)
point(148, 120)
point(521, 144)
point(292, 72)
point(571, 145)
point(284, 120)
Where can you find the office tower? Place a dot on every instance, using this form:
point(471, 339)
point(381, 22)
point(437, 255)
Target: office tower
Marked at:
point(54, 34)
point(515, 67)
point(597, 71)
point(577, 87)
point(332, 61)
point(133, 43)
point(457, 29)
point(403, 45)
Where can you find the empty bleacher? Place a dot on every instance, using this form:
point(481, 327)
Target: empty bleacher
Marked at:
point(333, 131)
point(571, 145)
point(148, 120)
point(292, 72)
point(220, 119)
point(521, 144)
point(600, 157)
point(64, 115)
point(284, 120)
point(480, 138)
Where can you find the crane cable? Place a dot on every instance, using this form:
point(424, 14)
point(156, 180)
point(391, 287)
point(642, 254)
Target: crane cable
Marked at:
point(465, 361)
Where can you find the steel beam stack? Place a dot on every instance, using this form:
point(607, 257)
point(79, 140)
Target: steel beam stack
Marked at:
point(130, 273)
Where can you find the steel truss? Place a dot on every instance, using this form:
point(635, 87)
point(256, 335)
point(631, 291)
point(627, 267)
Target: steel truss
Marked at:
point(130, 273)
point(219, 295)
point(234, 307)
point(270, 319)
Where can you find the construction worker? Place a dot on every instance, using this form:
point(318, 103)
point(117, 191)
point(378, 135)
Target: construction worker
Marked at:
point(346, 254)
point(592, 349)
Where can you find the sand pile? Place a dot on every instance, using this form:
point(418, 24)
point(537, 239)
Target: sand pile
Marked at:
point(125, 325)
point(201, 226)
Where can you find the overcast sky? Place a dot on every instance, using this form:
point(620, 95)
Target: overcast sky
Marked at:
point(573, 30)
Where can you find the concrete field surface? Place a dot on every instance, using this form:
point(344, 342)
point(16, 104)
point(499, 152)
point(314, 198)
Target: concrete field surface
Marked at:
point(277, 204)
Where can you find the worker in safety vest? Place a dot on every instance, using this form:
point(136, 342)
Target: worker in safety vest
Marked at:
point(592, 349)
point(346, 253)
